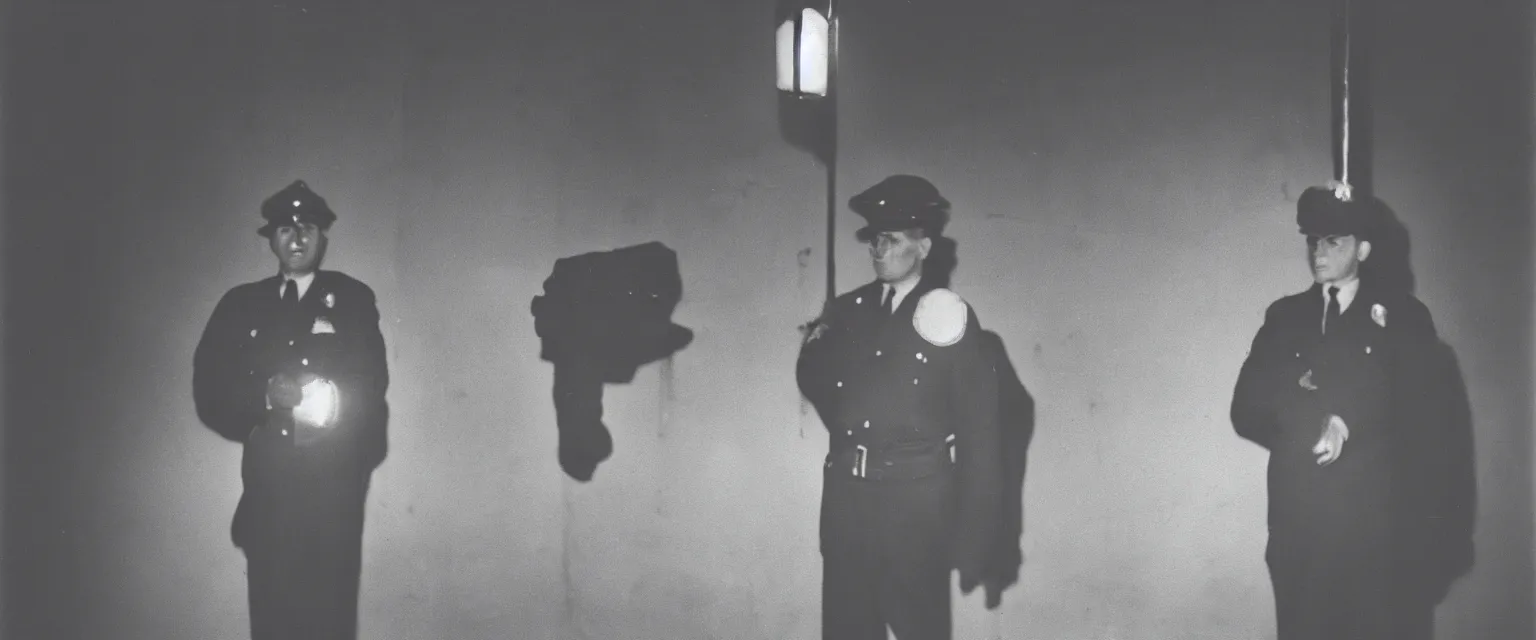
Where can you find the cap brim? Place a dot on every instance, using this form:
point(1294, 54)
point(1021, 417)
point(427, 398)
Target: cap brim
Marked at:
point(1327, 231)
point(273, 225)
point(1338, 222)
point(868, 232)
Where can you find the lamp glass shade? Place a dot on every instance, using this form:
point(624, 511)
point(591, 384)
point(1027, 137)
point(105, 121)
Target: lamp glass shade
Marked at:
point(808, 74)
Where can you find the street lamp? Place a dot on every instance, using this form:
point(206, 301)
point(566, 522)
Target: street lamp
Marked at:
point(805, 38)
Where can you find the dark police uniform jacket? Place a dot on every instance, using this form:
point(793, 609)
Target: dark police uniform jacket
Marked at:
point(1378, 370)
point(894, 402)
point(290, 489)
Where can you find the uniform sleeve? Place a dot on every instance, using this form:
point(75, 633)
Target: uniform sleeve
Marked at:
point(812, 368)
point(229, 399)
point(363, 375)
point(1253, 412)
point(978, 450)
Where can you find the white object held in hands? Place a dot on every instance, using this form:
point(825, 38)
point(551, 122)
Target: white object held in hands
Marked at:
point(320, 406)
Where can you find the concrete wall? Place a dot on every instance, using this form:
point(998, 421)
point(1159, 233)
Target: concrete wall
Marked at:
point(1123, 175)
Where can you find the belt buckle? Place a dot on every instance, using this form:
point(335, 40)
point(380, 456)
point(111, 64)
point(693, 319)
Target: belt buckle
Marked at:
point(860, 460)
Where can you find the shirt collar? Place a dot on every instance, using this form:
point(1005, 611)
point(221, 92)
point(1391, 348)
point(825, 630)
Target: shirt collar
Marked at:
point(902, 289)
point(1347, 291)
point(304, 281)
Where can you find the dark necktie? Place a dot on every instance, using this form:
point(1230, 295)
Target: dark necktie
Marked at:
point(890, 298)
point(1332, 317)
point(290, 293)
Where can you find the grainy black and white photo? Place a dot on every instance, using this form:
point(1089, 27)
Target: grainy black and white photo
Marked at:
point(768, 320)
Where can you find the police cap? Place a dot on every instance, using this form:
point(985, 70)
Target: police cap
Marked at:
point(1321, 212)
point(900, 202)
point(296, 204)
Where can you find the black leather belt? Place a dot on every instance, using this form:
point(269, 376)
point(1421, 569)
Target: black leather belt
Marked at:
point(905, 463)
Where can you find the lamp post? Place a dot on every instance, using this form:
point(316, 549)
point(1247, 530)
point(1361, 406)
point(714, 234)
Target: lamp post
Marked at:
point(806, 46)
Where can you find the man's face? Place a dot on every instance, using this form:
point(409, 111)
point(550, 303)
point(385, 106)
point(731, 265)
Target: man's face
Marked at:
point(298, 248)
point(1335, 258)
point(898, 255)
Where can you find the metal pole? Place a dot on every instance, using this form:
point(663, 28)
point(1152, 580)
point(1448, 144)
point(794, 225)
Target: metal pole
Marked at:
point(832, 220)
point(1344, 72)
point(1350, 95)
point(830, 140)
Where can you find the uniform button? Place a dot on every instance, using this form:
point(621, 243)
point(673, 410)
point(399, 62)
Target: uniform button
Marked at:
point(850, 432)
point(914, 381)
point(839, 383)
point(253, 333)
point(290, 343)
point(304, 362)
point(1367, 349)
point(858, 301)
point(877, 352)
point(252, 372)
point(285, 432)
point(919, 355)
point(866, 424)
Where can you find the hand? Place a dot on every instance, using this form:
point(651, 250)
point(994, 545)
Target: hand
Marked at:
point(813, 329)
point(1331, 444)
point(284, 391)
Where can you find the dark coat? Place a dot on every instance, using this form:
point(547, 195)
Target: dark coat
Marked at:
point(877, 383)
point(252, 336)
point(1342, 529)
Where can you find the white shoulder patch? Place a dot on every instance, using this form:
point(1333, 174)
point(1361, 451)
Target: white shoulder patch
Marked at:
point(941, 317)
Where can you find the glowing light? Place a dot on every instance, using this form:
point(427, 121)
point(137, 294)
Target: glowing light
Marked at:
point(809, 73)
point(320, 406)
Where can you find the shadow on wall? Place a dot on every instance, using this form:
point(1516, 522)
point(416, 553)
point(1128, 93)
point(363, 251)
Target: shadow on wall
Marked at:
point(604, 315)
point(1436, 494)
point(809, 125)
point(1017, 430)
point(1439, 502)
point(1389, 263)
point(1017, 413)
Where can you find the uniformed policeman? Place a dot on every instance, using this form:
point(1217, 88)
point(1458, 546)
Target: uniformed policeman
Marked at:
point(292, 366)
point(1338, 380)
point(898, 373)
